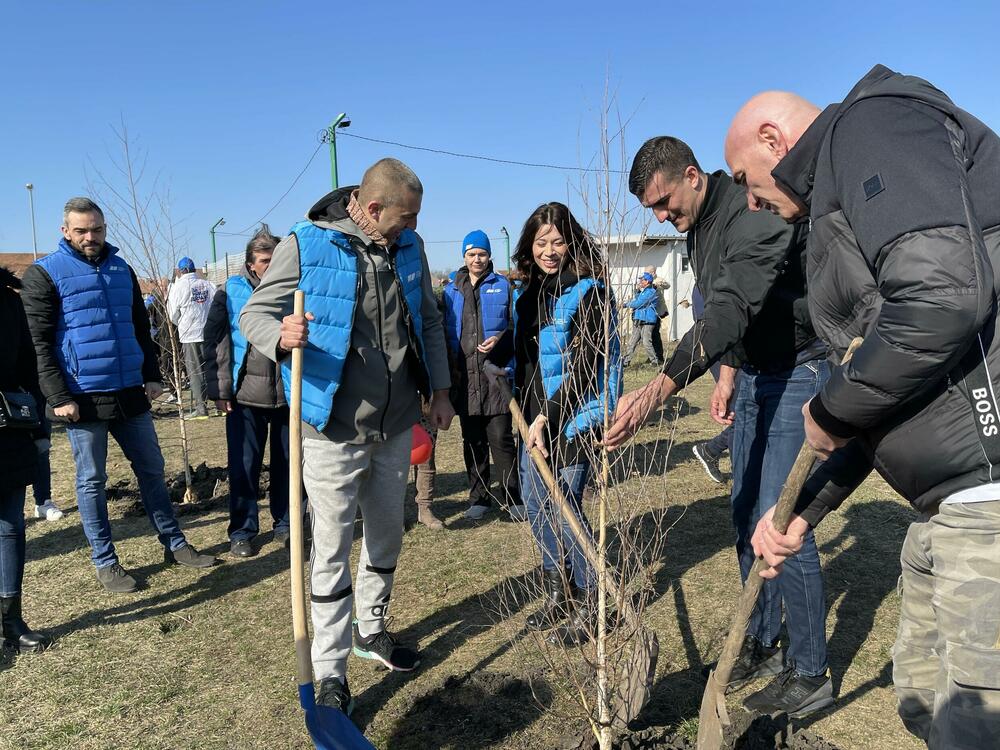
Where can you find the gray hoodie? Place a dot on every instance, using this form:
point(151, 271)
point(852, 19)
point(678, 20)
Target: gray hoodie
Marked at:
point(379, 393)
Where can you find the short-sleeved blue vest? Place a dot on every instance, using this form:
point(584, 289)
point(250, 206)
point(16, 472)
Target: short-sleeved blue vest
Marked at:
point(95, 341)
point(329, 277)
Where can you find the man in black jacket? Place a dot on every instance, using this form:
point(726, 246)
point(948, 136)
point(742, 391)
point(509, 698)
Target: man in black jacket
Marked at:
point(246, 386)
point(748, 267)
point(97, 370)
point(901, 188)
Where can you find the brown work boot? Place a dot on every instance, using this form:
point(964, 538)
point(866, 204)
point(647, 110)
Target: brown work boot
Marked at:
point(426, 516)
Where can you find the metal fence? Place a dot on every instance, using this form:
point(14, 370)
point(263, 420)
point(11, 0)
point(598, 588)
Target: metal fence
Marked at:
point(226, 266)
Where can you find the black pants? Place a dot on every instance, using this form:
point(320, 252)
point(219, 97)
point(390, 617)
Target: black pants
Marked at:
point(480, 435)
point(658, 339)
point(247, 430)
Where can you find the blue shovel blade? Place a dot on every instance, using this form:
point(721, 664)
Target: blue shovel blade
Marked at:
point(329, 728)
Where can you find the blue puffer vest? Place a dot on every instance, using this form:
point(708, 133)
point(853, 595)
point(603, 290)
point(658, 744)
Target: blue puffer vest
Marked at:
point(555, 363)
point(494, 310)
point(95, 339)
point(644, 306)
point(238, 291)
point(329, 277)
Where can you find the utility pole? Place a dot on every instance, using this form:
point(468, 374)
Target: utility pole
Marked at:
point(506, 237)
point(330, 135)
point(219, 223)
point(31, 207)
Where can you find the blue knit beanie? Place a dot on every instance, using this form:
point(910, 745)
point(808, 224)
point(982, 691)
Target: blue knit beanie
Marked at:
point(478, 239)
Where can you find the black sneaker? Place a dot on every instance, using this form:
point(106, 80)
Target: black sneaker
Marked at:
point(335, 694)
point(755, 660)
point(114, 578)
point(709, 464)
point(384, 648)
point(794, 694)
point(189, 557)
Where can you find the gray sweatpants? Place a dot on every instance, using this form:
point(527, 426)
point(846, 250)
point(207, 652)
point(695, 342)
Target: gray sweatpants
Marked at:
point(339, 478)
point(195, 362)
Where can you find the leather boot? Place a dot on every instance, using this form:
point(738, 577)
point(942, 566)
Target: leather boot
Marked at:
point(582, 625)
point(555, 607)
point(16, 634)
point(426, 516)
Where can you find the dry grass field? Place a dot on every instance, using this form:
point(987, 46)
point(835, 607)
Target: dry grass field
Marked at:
point(204, 659)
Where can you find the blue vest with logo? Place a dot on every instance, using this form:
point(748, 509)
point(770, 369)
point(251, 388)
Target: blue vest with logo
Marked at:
point(238, 291)
point(554, 339)
point(494, 309)
point(95, 341)
point(329, 277)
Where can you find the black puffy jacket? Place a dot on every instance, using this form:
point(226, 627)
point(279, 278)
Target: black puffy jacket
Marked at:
point(17, 372)
point(903, 189)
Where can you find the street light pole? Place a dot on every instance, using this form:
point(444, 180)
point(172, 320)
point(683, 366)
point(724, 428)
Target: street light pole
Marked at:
point(219, 223)
point(31, 207)
point(506, 237)
point(341, 121)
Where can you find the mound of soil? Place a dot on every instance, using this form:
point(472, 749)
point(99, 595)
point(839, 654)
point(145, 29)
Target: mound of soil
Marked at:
point(210, 485)
point(746, 733)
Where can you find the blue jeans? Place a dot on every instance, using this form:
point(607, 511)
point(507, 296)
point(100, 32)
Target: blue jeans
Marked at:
point(11, 541)
point(137, 439)
point(767, 434)
point(551, 531)
point(246, 434)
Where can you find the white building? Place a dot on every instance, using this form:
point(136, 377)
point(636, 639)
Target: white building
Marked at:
point(629, 255)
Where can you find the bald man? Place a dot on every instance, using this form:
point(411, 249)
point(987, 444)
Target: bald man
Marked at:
point(373, 342)
point(903, 191)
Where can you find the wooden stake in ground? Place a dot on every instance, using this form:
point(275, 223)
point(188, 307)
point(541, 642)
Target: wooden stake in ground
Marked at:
point(713, 717)
point(329, 728)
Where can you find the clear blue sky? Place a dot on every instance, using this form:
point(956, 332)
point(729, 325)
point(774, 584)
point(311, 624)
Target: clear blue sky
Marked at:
point(227, 97)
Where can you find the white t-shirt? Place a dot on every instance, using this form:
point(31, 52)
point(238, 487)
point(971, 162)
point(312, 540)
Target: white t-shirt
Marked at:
point(187, 304)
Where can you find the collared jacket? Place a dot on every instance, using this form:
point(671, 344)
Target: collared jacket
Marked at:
point(234, 370)
point(750, 270)
point(91, 334)
point(904, 198)
point(644, 305)
point(384, 364)
point(472, 314)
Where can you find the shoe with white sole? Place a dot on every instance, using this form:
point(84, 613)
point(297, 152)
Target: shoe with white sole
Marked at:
point(48, 510)
point(384, 648)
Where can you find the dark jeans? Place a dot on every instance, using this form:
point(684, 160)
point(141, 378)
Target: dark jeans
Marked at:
point(11, 541)
point(552, 533)
point(42, 488)
point(720, 443)
point(247, 429)
point(480, 436)
point(767, 434)
point(137, 439)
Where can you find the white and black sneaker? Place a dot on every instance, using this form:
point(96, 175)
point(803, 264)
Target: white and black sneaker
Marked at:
point(791, 693)
point(711, 465)
point(335, 694)
point(385, 649)
point(755, 660)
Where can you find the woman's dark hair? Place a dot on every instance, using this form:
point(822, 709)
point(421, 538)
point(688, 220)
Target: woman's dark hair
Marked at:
point(262, 242)
point(583, 256)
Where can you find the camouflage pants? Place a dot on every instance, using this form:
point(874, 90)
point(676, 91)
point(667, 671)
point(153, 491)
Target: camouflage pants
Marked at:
point(946, 661)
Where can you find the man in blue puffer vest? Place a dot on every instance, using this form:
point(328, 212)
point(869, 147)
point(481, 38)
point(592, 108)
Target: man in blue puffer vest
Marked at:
point(98, 371)
point(644, 320)
point(373, 343)
point(246, 385)
point(477, 315)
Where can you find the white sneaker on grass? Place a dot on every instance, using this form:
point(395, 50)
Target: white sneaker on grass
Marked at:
point(48, 510)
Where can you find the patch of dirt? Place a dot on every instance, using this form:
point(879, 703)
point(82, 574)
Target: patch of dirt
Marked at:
point(210, 485)
point(474, 710)
point(746, 733)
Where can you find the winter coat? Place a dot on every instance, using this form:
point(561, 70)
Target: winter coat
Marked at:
point(903, 193)
point(387, 363)
point(473, 313)
point(44, 307)
point(188, 303)
point(18, 456)
point(750, 269)
point(643, 305)
point(254, 380)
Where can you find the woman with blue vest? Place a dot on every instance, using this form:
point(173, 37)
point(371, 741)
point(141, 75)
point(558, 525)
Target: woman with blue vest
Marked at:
point(246, 385)
point(477, 315)
point(568, 376)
